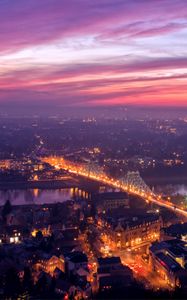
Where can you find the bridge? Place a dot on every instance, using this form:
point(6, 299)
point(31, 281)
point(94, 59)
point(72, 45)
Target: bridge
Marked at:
point(131, 183)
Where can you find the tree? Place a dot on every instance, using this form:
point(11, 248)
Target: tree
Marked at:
point(7, 208)
point(39, 236)
point(27, 280)
point(12, 284)
point(41, 286)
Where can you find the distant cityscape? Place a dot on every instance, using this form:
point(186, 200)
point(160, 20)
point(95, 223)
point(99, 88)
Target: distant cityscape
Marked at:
point(92, 208)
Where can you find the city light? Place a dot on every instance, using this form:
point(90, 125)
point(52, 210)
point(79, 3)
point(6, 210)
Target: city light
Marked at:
point(74, 168)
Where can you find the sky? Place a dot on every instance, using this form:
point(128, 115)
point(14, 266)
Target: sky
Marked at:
point(93, 52)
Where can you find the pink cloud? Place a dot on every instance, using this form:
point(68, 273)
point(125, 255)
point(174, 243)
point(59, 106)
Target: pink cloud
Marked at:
point(33, 22)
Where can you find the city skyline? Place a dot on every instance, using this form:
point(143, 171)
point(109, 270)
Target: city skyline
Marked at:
point(85, 53)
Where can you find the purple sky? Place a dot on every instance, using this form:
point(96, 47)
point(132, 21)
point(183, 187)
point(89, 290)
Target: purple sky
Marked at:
point(93, 52)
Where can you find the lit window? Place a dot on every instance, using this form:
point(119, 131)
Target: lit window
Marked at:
point(16, 239)
point(11, 240)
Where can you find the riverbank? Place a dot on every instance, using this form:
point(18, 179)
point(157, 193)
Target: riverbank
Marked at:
point(53, 184)
point(74, 182)
point(163, 180)
point(80, 182)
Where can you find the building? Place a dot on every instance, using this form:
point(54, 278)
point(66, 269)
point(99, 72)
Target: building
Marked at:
point(5, 164)
point(109, 262)
point(169, 260)
point(137, 231)
point(76, 260)
point(111, 273)
point(11, 235)
point(48, 263)
point(178, 230)
point(109, 201)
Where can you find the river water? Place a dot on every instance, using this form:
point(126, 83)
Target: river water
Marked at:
point(38, 196)
point(41, 196)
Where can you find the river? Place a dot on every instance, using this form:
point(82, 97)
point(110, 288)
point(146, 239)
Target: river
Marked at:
point(40, 196)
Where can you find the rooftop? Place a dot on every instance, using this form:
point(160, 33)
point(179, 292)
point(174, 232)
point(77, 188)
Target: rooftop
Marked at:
point(109, 260)
point(111, 196)
point(168, 262)
point(78, 257)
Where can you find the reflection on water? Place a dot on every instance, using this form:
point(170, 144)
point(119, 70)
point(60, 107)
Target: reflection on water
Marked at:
point(37, 196)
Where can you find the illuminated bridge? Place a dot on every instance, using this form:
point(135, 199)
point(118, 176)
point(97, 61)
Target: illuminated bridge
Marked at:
point(131, 182)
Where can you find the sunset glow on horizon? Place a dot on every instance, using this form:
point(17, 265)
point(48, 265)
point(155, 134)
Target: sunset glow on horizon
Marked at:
point(93, 52)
